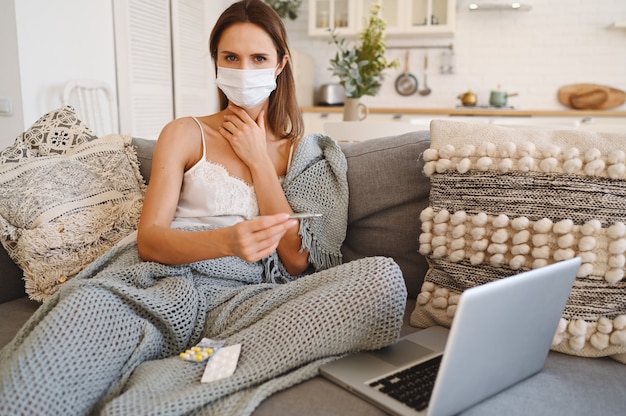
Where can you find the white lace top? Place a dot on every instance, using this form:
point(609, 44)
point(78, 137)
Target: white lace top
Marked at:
point(210, 195)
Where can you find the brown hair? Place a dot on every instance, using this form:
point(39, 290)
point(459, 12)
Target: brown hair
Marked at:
point(284, 116)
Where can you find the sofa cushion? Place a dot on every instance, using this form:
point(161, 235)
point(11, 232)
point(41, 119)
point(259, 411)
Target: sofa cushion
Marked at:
point(387, 192)
point(505, 200)
point(54, 133)
point(61, 209)
point(144, 149)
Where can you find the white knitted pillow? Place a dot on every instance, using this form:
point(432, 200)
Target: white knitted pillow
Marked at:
point(506, 200)
point(60, 212)
point(54, 133)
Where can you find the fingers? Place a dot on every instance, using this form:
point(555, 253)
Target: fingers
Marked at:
point(232, 125)
point(239, 118)
point(240, 113)
point(259, 237)
point(237, 124)
point(246, 137)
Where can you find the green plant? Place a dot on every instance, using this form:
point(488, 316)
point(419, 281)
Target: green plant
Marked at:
point(286, 8)
point(360, 67)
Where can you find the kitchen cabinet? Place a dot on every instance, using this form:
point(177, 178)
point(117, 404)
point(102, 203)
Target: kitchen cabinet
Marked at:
point(582, 123)
point(314, 121)
point(592, 120)
point(403, 17)
point(412, 17)
point(325, 15)
point(604, 124)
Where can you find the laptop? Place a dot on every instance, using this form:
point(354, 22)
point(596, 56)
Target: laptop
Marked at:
point(501, 334)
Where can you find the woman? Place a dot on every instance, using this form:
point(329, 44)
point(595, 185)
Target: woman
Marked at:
point(236, 138)
point(216, 255)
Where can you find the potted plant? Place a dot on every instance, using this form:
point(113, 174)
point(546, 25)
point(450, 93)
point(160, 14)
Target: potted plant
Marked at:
point(286, 8)
point(360, 67)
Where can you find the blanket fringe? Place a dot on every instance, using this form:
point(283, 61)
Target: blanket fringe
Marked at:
point(319, 258)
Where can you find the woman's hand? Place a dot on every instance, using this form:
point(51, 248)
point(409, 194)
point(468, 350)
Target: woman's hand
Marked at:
point(257, 238)
point(250, 240)
point(247, 137)
point(245, 134)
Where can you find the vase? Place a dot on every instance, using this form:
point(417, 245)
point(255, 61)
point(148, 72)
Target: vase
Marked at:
point(354, 110)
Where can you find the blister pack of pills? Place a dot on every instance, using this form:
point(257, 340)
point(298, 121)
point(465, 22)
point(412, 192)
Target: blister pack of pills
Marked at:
point(202, 351)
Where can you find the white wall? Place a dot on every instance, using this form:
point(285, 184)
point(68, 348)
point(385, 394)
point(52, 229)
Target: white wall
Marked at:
point(10, 125)
point(60, 40)
point(44, 43)
point(534, 53)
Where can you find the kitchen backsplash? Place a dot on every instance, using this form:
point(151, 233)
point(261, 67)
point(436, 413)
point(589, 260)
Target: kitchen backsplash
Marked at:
point(534, 53)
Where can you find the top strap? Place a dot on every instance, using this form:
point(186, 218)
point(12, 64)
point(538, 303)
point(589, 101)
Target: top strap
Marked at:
point(202, 135)
point(290, 155)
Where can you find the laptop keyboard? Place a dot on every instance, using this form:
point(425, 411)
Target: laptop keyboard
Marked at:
point(412, 386)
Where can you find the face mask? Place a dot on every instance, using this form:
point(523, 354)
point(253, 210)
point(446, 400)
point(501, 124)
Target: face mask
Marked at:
point(246, 88)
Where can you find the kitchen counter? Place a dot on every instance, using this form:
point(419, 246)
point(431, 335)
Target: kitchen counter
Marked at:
point(317, 117)
point(474, 111)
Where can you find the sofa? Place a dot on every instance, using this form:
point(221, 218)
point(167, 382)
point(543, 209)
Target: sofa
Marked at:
point(388, 190)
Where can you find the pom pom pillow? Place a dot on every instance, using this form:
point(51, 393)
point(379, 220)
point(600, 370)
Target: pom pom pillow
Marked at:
point(507, 200)
point(66, 197)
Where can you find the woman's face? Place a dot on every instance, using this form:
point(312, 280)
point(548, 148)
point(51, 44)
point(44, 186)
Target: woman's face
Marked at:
point(247, 46)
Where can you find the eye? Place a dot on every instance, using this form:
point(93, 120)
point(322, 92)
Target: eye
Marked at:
point(259, 58)
point(230, 58)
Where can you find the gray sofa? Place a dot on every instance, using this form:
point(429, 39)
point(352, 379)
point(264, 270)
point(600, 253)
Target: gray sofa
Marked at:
point(387, 193)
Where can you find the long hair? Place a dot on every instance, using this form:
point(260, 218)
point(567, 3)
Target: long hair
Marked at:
point(284, 116)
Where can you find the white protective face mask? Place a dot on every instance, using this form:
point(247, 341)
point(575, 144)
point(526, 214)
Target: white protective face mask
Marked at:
point(246, 88)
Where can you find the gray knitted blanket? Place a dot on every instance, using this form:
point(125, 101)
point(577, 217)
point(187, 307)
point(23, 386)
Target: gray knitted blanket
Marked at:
point(108, 341)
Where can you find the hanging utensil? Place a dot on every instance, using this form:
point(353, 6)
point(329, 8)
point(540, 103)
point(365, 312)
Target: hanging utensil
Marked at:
point(406, 83)
point(426, 90)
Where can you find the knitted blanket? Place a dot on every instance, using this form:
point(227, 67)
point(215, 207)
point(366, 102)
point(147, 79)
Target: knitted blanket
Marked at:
point(108, 341)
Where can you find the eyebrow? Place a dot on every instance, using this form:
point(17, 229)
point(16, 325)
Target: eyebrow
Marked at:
point(225, 52)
